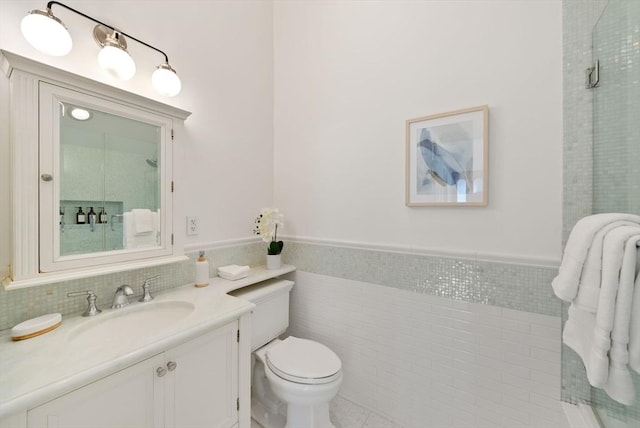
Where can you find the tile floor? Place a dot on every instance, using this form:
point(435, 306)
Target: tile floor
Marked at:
point(346, 414)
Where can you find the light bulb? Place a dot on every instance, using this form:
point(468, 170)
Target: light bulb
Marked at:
point(117, 62)
point(165, 81)
point(80, 114)
point(46, 33)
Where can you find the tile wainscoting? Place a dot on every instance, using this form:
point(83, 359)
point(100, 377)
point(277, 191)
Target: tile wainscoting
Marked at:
point(424, 360)
point(430, 340)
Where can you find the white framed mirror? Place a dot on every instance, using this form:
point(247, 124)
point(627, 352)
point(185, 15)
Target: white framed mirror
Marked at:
point(91, 194)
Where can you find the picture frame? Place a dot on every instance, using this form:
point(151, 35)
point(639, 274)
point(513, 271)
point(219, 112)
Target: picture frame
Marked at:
point(447, 158)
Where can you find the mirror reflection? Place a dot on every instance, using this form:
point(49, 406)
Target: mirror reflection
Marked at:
point(109, 185)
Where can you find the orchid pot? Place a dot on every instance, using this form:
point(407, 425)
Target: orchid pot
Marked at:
point(266, 225)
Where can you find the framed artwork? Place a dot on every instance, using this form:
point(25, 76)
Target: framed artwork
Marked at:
point(448, 158)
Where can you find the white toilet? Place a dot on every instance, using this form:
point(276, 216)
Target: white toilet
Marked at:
point(292, 380)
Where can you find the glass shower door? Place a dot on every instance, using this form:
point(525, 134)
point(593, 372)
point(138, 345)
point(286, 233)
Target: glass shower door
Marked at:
point(616, 149)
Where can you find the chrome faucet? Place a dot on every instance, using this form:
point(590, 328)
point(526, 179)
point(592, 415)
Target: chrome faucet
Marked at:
point(120, 299)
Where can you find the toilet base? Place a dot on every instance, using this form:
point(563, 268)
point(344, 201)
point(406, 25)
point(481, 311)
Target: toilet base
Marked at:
point(265, 418)
point(301, 416)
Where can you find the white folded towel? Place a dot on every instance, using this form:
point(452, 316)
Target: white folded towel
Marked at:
point(132, 240)
point(565, 285)
point(589, 334)
point(233, 277)
point(591, 278)
point(619, 384)
point(233, 272)
point(142, 220)
point(634, 329)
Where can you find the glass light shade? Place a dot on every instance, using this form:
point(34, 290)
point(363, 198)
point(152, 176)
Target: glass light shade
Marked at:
point(80, 114)
point(46, 33)
point(165, 81)
point(117, 62)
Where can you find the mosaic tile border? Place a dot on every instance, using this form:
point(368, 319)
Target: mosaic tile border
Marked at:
point(509, 285)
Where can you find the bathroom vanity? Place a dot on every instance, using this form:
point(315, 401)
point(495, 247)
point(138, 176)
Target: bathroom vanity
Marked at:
point(182, 359)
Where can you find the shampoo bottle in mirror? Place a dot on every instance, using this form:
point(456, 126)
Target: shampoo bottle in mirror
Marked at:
point(80, 216)
point(93, 217)
point(102, 217)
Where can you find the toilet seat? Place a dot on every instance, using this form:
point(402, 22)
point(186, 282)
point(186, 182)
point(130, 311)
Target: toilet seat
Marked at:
point(303, 361)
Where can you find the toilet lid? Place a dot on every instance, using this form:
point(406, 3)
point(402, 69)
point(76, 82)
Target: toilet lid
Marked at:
point(303, 361)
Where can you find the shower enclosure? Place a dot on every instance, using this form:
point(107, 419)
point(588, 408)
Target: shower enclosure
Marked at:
point(616, 170)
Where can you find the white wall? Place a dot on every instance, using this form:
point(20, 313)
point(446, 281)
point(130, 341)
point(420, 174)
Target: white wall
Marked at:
point(349, 74)
point(222, 51)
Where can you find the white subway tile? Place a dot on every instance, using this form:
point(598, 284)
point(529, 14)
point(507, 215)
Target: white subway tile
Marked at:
point(546, 343)
point(520, 393)
point(546, 402)
point(441, 310)
point(481, 390)
point(552, 333)
point(432, 360)
point(549, 367)
point(488, 375)
point(520, 327)
point(545, 354)
point(518, 408)
point(516, 381)
point(551, 390)
point(546, 320)
point(516, 315)
point(544, 378)
point(488, 410)
point(507, 422)
point(463, 419)
point(517, 338)
point(486, 423)
point(513, 357)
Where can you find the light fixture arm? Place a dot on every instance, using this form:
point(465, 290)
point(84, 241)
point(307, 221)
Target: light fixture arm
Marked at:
point(51, 3)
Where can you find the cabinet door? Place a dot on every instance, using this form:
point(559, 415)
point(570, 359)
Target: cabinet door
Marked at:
point(129, 398)
point(202, 390)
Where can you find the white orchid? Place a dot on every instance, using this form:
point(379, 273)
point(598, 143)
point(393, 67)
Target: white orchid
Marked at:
point(266, 225)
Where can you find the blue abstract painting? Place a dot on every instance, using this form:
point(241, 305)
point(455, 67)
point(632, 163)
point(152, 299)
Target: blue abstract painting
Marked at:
point(446, 159)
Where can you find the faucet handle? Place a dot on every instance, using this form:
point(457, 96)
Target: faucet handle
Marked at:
point(92, 309)
point(146, 293)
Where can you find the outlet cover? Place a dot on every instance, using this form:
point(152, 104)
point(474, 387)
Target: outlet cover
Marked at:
point(193, 225)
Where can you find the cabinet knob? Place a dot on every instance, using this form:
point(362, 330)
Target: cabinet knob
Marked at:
point(161, 371)
point(171, 365)
point(46, 177)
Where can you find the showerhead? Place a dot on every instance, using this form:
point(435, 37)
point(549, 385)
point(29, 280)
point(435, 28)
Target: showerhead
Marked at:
point(152, 162)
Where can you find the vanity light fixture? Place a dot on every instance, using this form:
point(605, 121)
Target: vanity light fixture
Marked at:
point(48, 34)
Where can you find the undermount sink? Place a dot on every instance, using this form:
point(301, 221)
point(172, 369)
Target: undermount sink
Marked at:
point(136, 322)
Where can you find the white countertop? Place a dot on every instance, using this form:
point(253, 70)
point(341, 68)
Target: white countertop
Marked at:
point(36, 370)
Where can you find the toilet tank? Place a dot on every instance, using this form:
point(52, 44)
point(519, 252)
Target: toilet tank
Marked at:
point(270, 317)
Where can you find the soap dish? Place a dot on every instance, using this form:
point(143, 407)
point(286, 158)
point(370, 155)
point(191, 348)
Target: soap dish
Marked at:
point(36, 326)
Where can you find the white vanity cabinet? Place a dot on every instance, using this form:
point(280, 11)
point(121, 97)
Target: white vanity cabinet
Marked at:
point(194, 384)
